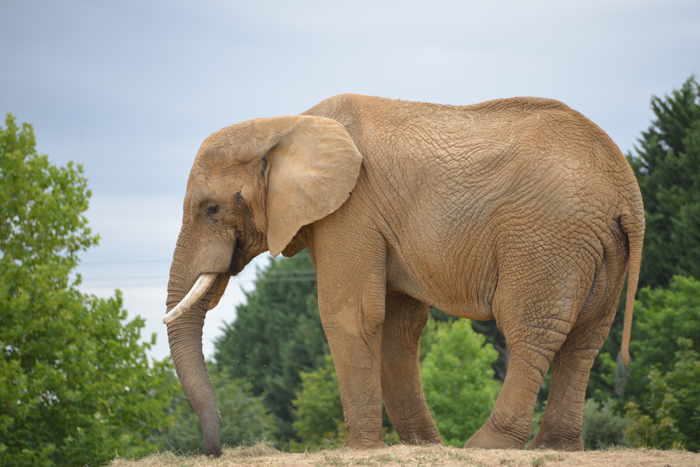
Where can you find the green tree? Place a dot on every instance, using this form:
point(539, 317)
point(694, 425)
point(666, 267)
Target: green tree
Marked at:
point(493, 336)
point(76, 386)
point(276, 335)
point(458, 379)
point(661, 316)
point(318, 412)
point(667, 165)
point(667, 415)
point(244, 418)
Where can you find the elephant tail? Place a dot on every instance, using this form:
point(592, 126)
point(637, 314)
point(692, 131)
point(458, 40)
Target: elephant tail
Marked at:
point(633, 226)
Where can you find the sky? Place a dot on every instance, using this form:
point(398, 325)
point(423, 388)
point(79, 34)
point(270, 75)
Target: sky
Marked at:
point(130, 89)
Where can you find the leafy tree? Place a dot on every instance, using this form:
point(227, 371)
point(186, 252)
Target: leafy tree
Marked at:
point(458, 379)
point(661, 316)
point(276, 335)
point(667, 415)
point(493, 336)
point(76, 386)
point(318, 412)
point(244, 418)
point(667, 165)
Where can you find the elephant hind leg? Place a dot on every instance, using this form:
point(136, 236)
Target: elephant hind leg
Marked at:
point(535, 319)
point(405, 403)
point(562, 423)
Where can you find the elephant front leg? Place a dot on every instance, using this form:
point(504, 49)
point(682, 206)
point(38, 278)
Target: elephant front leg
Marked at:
point(351, 296)
point(403, 393)
point(358, 367)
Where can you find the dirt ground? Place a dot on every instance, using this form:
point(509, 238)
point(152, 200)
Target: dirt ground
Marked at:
point(427, 456)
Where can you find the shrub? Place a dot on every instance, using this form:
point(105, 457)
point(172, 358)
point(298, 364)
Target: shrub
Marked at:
point(602, 427)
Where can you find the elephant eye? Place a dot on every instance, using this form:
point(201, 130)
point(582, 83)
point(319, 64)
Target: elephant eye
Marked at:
point(239, 198)
point(213, 209)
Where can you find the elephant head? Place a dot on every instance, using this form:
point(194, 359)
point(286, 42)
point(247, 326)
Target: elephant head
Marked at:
point(252, 186)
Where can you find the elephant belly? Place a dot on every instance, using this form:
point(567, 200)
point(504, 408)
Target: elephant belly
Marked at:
point(474, 310)
point(452, 294)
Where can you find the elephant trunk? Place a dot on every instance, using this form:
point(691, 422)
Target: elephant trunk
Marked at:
point(185, 339)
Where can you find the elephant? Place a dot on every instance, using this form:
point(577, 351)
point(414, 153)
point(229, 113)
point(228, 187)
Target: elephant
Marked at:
point(519, 210)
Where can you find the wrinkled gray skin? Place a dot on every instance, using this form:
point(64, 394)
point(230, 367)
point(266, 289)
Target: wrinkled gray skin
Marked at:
point(519, 210)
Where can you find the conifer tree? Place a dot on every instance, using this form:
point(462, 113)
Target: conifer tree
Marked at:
point(667, 165)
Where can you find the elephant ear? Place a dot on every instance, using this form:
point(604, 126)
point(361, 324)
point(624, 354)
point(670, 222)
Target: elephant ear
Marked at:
point(312, 169)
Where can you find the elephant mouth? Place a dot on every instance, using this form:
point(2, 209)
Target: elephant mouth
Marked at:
point(238, 257)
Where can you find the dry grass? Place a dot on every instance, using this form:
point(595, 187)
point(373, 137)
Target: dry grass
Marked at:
point(262, 454)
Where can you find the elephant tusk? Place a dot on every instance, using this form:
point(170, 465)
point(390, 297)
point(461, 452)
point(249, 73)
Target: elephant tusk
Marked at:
point(200, 287)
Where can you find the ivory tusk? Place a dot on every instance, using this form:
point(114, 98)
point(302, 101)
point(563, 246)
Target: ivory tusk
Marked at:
point(200, 287)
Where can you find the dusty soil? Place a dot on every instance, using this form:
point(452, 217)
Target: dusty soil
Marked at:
point(429, 455)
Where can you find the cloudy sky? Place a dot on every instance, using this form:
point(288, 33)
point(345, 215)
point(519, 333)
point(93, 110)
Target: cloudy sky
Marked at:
point(129, 89)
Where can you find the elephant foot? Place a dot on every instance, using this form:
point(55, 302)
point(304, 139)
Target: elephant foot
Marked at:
point(558, 442)
point(418, 431)
point(489, 438)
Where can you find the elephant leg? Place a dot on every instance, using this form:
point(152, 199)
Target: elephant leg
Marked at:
point(535, 320)
point(351, 295)
point(562, 423)
point(401, 384)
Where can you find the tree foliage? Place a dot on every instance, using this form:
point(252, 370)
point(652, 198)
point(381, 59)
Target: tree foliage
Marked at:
point(661, 316)
point(493, 336)
point(667, 415)
point(458, 379)
point(76, 386)
point(276, 335)
point(663, 391)
point(318, 412)
point(667, 165)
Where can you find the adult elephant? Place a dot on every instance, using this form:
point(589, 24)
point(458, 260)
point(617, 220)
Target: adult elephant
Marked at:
point(519, 210)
